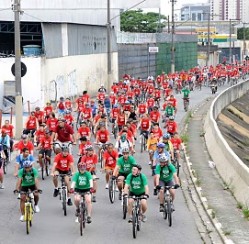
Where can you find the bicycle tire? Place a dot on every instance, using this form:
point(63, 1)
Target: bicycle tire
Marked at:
point(42, 172)
point(124, 207)
point(27, 219)
point(142, 143)
point(101, 158)
point(5, 166)
point(84, 215)
point(111, 191)
point(64, 202)
point(80, 218)
point(47, 168)
point(169, 212)
point(134, 224)
point(177, 168)
point(115, 132)
point(165, 212)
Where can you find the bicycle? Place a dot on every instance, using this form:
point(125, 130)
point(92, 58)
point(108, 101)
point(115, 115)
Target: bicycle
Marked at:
point(29, 207)
point(186, 103)
point(102, 147)
point(115, 130)
point(112, 189)
point(136, 215)
point(168, 205)
point(143, 141)
point(83, 212)
point(124, 201)
point(176, 163)
point(45, 165)
point(63, 193)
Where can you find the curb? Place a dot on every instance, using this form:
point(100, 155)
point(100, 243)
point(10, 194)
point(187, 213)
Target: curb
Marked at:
point(210, 212)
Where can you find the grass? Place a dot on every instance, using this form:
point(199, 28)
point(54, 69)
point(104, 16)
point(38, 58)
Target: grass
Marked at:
point(185, 138)
point(227, 233)
point(188, 117)
point(213, 214)
point(245, 212)
point(239, 205)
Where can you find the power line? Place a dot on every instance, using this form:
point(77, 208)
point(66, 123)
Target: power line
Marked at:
point(4, 9)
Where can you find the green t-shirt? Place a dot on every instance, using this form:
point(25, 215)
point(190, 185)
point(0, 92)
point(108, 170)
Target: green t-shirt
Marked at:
point(169, 111)
point(28, 178)
point(82, 181)
point(185, 92)
point(166, 172)
point(125, 167)
point(137, 183)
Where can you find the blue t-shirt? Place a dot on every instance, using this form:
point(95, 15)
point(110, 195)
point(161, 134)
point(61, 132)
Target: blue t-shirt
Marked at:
point(20, 160)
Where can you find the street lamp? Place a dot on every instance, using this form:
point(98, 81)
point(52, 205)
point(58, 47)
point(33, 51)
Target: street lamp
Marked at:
point(173, 37)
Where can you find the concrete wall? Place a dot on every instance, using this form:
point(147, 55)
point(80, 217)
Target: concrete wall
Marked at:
point(233, 171)
point(71, 74)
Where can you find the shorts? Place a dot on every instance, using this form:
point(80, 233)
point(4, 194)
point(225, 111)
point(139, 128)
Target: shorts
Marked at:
point(109, 168)
point(82, 190)
point(93, 173)
point(26, 188)
point(131, 194)
point(168, 183)
point(64, 172)
point(113, 121)
point(46, 151)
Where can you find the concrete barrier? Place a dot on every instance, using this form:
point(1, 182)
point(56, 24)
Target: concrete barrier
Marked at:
point(231, 168)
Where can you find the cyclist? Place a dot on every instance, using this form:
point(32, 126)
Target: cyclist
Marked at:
point(110, 160)
point(123, 168)
point(61, 106)
point(186, 93)
point(63, 134)
point(47, 110)
point(45, 148)
point(69, 117)
point(136, 184)
point(82, 145)
point(9, 128)
point(151, 146)
point(145, 125)
point(28, 179)
point(39, 134)
point(31, 124)
point(171, 125)
point(155, 115)
point(102, 89)
point(158, 133)
point(52, 122)
point(165, 173)
point(5, 141)
point(177, 145)
point(24, 143)
point(82, 182)
point(168, 145)
point(169, 111)
point(91, 160)
point(84, 130)
point(39, 115)
point(122, 143)
point(63, 163)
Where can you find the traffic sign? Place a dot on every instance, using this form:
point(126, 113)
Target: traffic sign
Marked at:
point(23, 69)
point(153, 49)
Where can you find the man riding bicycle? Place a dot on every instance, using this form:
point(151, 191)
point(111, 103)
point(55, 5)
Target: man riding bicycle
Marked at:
point(27, 179)
point(136, 184)
point(165, 173)
point(82, 182)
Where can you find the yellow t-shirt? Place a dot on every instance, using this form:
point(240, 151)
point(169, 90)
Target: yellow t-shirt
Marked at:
point(152, 143)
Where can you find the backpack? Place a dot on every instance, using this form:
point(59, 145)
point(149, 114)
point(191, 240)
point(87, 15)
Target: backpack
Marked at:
point(61, 106)
point(161, 170)
point(24, 173)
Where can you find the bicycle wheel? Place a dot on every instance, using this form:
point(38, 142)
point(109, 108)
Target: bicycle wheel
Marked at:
point(42, 171)
point(165, 212)
point(27, 219)
point(115, 131)
point(84, 215)
point(142, 143)
point(5, 166)
point(101, 158)
point(177, 168)
point(64, 202)
point(81, 218)
point(112, 190)
point(47, 167)
point(134, 224)
point(124, 207)
point(169, 211)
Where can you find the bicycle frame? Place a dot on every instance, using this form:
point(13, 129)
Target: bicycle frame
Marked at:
point(63, 193)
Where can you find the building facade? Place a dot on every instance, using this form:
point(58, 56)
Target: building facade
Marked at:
point(195, 12)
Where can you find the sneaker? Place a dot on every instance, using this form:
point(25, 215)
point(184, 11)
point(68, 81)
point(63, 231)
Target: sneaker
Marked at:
point(56, 192)
point(77, 212)
point(144, 218)
point(76, 220)
point(149, 163)
point(117, 190)
point(130, 220)
point(19, 196)
point(106, 186)
point(155, 192)
point(69, 202)
point(89, 220)
point(1, 186)
point(161, 209)
point(94, 198)
point(37, 209)
point(120, 195)
point(22, 218)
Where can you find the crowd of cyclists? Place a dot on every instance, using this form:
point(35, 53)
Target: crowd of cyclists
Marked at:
point(114, 121)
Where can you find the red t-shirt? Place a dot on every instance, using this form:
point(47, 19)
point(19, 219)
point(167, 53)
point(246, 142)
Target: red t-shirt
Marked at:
point(142, 108)
point(121, 100)
point(90, 161)
point(87, 113)
point(64, 133)
point(150, 102)
point(9, 130)
point(63, 163)
point(110, 158)
point(155, 116)
point(121, 119)
point(20, 145)
point(82, 147)
point(114, 112)
point(80, 103)
point(112, 99)
point(101, 96)
point(171, 126)
point(52, 123)
point(145, 123)
point(48, 110)
point(46, 143)
point(31, 123)
point(68, 118)
point(84, 131)
point(39, 115)
point(158, 134)
point(40, 134)
point(176, 142)
point(102, 135)
point(68, 104)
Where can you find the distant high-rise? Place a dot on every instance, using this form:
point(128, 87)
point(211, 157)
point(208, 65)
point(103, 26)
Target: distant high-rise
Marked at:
point(229, 9)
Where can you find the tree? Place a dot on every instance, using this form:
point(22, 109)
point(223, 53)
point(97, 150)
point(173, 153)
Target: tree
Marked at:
point(137, 21)
point(240, 33)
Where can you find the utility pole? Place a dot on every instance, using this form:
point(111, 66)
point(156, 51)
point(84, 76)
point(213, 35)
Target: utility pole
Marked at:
point(109, 58)
point(230, 41)
point(18, 84)
point(208, 41)
point(244, 40)
point(173, 37)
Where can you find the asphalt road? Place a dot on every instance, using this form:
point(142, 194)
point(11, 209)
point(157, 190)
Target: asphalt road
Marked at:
point(50, 226)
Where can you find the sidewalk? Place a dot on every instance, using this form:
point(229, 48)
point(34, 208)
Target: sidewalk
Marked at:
point(220, 203)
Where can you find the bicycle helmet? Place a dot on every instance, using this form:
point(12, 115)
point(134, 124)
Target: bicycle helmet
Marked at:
point(89, 148)
point(160, 145)
point(27, 164)
point(68, 111)
point(166, 136)
point(138, 166)
point(163, 158)
point(82, 166)
point(64, 148)
point(171, 117)
point(115, 106)
point(125, 150)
